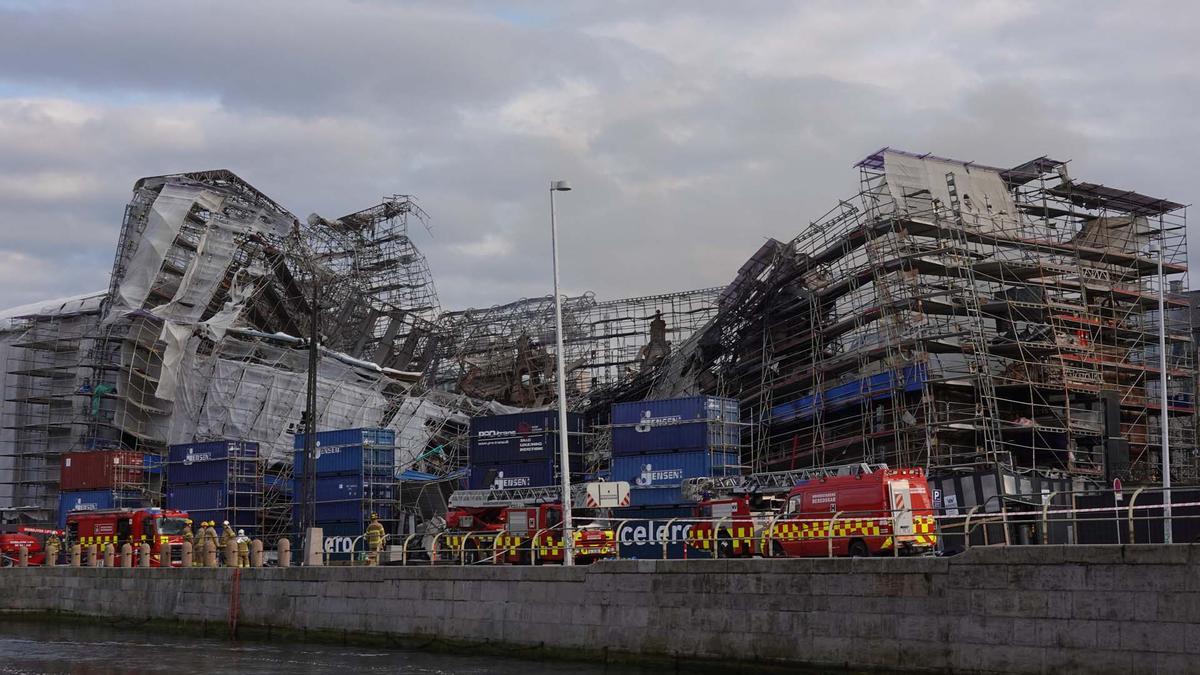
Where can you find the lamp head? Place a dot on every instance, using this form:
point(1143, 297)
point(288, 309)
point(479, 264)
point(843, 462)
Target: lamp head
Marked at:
point(560, 186)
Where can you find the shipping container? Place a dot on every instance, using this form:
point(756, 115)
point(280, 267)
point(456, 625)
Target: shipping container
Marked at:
point(693, 423)
point(101, 469)
point(534, 473)
point(212, 462)
point(522, 436)
point(672, 468)
point(345, 539)
point(209, 497)
point(96, 500)
point(342, 460)
point(364, 436)
point(643, 539)
point(239, 519)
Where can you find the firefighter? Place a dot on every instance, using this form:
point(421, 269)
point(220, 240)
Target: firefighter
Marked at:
point(243, 549)
point(209, 535)
point(53, 546)
point(375, 535)
point(227, 534)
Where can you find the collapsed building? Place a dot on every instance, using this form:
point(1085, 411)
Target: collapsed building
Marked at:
point(950, 315)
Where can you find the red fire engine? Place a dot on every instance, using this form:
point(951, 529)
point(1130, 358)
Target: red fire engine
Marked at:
point(162, 529)
point(32, 539)
point(867, 509)
point(520, 526)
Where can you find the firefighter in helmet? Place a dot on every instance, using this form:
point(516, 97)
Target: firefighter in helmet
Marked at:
point(188, 536)
point(209, 535)
point(53, 546)
point(375, 535)
point(243, 549)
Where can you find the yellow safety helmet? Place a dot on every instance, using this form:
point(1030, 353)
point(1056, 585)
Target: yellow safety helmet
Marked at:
point(374, 516)
point(188, 521)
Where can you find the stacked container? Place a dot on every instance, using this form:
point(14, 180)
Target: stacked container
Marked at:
point(355, 477)
point(217, 481)
point(657, 445)
point(522, 450)
point(100, 479)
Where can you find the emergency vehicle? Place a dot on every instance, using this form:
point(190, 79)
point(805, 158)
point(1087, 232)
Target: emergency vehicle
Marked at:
point(162, 529)
point(524, 525)
point(870, 508)
point(32, 539)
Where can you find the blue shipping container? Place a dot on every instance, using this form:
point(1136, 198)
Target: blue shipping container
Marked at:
point(512, 475)
point(95, 500)
point(697, 422)
point(365, 436)
point(379, 462)
point(521, 437)
point(216, 461)
point(672, 468)
point(210, 497)
point(643, 539)
point(873, 388)
point(239, 519)
point(343, 540)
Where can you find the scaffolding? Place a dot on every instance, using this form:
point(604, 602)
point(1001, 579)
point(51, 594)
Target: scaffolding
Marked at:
point(956, 314)
point(505, 353)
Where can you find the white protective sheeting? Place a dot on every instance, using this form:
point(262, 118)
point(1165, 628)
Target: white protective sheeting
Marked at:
point(983, 197)
point(254, 391)
point(163, 223)
point(75, 304)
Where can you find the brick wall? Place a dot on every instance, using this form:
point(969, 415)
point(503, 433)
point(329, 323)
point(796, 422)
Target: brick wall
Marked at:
point(1021, 609)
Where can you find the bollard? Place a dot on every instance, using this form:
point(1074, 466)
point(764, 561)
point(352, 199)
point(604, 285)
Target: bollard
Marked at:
point(144, 555)
point(185, 556)
point(76, 555)
point(110, 555)
point(231, 556)
point(23, 556)
point(256, 553)
point(210, 554)
point(285, 552)
point(93, 555)
point(51, 554)
point(126, 555)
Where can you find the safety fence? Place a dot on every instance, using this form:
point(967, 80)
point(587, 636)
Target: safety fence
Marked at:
point(1066, 517)
point(1007, 520)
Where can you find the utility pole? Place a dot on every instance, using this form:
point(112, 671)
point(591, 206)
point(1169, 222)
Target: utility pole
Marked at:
point(1163, 400)
point(309, 512)
point(564, 455)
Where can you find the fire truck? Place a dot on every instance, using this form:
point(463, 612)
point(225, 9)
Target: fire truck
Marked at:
point(868, 510)
point(162, 529)
point(32, 539)
point(524, 525)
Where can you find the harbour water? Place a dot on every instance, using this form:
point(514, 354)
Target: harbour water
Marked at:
point(37, 647)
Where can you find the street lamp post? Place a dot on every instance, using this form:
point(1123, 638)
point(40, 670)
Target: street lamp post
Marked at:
point(564, 458)
point(1163, 399)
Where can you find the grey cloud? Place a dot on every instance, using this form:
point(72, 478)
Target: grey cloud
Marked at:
point(686, 152)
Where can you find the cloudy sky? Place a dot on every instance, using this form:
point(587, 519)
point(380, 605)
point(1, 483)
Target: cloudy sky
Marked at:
point(691, 130)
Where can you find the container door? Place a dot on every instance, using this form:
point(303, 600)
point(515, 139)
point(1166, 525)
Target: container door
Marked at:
point(900, 494)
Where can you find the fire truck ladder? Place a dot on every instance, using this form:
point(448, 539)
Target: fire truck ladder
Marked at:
point(517, 497)
point(770, 482)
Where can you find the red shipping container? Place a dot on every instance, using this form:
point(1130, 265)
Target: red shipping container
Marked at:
point(101, 469)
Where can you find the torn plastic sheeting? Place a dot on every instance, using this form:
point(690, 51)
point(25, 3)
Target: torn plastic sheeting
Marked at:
point(202, 277)
point(163, 223)
point(176, 337)
point(983, 197)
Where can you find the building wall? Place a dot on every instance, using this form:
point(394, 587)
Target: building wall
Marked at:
point(1019, 609)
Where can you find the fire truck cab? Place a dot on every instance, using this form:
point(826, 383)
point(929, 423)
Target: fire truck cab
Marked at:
point(886, 511)
point(160, 528)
